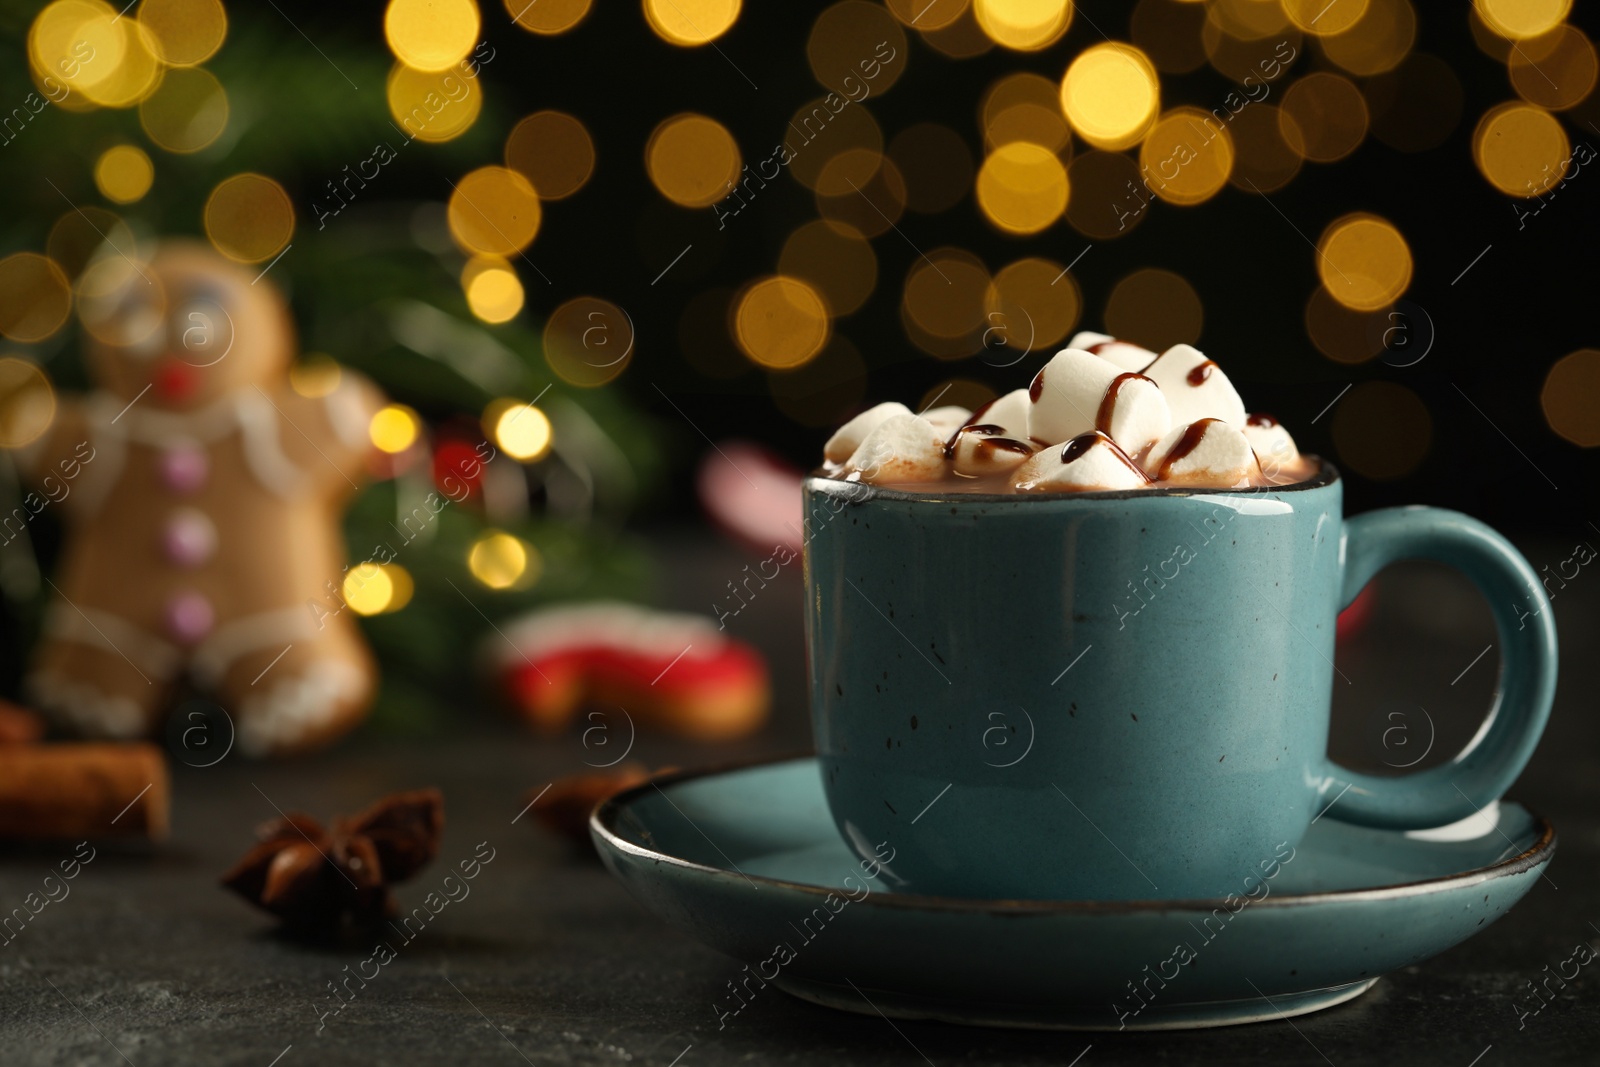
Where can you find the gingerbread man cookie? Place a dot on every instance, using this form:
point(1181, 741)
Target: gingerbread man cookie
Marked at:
point(204, 517)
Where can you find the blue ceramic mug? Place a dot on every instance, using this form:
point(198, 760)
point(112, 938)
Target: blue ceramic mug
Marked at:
point(1123, 695)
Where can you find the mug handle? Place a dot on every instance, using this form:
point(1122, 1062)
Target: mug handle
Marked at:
point(1494, 757)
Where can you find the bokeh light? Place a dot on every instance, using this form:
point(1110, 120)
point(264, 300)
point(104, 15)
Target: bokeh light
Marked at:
point(1378, 40)
point(76, 42)
point(1111, 95)
point(1521, 20)
point(1023, 25)
point(315, 375)
point(1562, 77)
point(504, 561)
point(249, 217)
point(187, 112)
point(816, 134)
point(518, 429)
point(691, 22)
point(1109, 197)
point(1024, 107)
point(492, 288)
point(928, 15)
point(824, 391)
point(377, 588)
point(1263, 159)
point(1363, 261)
point(860, 192)
point(433, 106)
point(1031, 304)
point(846, 44)
point(137, 73)
point(35, 297)
point(123, 173)
point(1343, 334)
point(547, 17)
point(693, 160)
point(431, 34)
point(187, 32)
point(1329, 117)
point(494, 211)
point(1168, 31)
point(588, 341)
point(944, 297)
point(1381, 430)
point(1324, 17)
point(27, 402)
point(81, 234)
point(1250, 61)
point(936, 166)
point(1187, 156)
point(553, 151)
point(1415, 106)
point(780, 322)
point(1022, 187)
point(1571, 397)
point(839, 265)
point(1248, 20)
point(1154, 308)
point(1521, 149)
point(394, 428)
point(961, 39)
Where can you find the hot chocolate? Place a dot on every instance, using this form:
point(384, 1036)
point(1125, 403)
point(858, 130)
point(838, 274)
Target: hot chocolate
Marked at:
point(1102, 414)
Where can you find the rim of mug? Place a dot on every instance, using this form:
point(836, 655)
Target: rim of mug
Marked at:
point(1327, 474)
point(603, 819)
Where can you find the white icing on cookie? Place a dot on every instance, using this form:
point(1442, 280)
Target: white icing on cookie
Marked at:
point(292, 707)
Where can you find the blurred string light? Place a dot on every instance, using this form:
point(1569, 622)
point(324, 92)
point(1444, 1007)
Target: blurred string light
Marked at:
point(1248, 20)
point(840, 265)
point(1022, 187)
point(1250, 61)
point(504, 561)
point(377, 588)
point(431, 35)
point(249, 218)
point(1344, 334)
point(82, 233)
point(861, 193)
point(518, 429)
point(1108, 194)
point(1324, 18)
point(394, 428)
point(926, 15)
point(689, 23)
point(553, 151)
point(1363, 261)
point(493, 211)
point(187, 32)
point(433, 106)
point(35, 297)
point(493, 290)
point(849, 46)
point(547, 17)
point(1563, 77)
point(187, 113)
point(961, 39)
point(1324, 117)
point(79, 43)
point(1187, 157)
point(1264, 160)
point(1024, 107)
point(1111, 95)
point(136, 74)
point(853, 127)
point(27, 402)
point(692, 160)
point(1023, 25)
point(1154, 308)
point(315, 375)
point(123, 173)
point(1377, 41)
point(781, 322)
point(943, 302)
point(1521, 149)
point(1031, 303)
point(1522, 20)
point(1382, 430)
point(936, 165)
point(588, 341)
point(1571, 397)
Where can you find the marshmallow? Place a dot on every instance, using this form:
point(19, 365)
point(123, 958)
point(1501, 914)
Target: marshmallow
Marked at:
point(901, 448)
point(1077, 392)
point(1124, 354)
point(1206, 453)
point(847, 438)
point(1275, 451)
point(1087, 462)
point(1195, 387)
point(995, 437)
point(947, 420)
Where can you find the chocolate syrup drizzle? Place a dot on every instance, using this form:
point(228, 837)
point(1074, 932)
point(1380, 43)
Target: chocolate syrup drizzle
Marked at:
point(1187, 443)
point(1108, 403)
point(1201, 372)
point(1085, 441)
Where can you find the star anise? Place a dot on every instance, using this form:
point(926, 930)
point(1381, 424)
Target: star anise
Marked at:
point(315, 879)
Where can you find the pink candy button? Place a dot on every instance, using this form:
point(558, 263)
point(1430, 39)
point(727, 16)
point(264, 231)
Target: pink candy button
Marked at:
point(190, 538)
point(184, 468)
point(189, 617)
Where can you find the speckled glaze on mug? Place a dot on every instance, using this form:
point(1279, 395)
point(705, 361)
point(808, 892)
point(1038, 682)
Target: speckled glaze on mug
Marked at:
point(1123, 695)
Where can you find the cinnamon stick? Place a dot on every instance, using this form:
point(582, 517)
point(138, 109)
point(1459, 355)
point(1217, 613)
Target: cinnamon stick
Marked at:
point(83, 791)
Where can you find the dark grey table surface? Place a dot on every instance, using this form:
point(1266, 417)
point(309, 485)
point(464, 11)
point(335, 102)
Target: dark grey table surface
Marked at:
point(550, 962)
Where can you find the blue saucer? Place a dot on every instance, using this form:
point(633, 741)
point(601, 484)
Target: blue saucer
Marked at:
point(748, 861)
